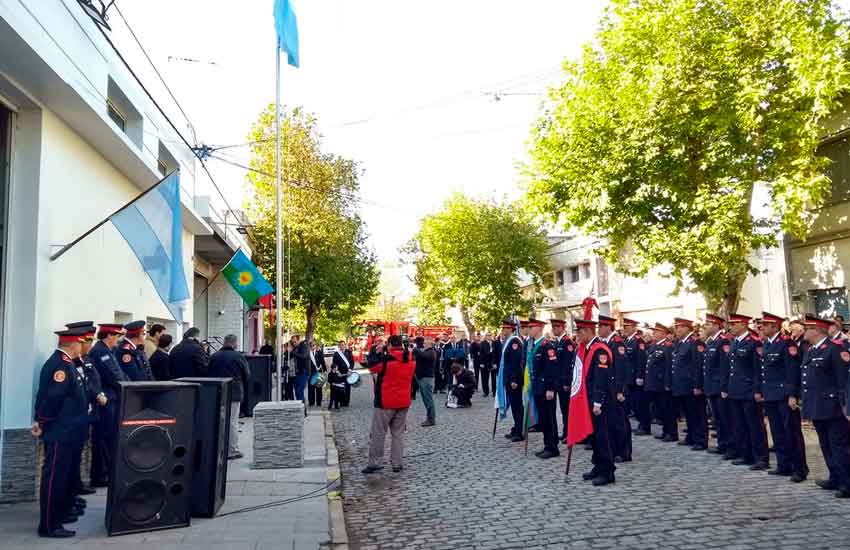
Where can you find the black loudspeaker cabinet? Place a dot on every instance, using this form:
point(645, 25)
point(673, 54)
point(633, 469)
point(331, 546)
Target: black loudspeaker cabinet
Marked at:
point(212, 443)
point(260, 385)
point(151, 479)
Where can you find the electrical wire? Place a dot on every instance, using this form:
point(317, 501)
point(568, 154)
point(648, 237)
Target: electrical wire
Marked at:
point(158, 74)
point(312, 494)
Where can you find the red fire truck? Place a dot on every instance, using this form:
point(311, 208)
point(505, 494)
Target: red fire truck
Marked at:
point(433, 330)
point(365, 332)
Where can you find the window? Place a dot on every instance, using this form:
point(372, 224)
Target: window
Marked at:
point(560, 277)
point(574, 274)
point(121, 111)
point(165, 160)
point(838, 152)
point(584, 270)
point(116, 115)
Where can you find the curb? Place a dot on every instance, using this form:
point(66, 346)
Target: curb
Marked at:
point(338, 531)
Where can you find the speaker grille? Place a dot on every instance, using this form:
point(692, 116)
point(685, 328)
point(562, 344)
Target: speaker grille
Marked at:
point(143, 501)
point(147, 448)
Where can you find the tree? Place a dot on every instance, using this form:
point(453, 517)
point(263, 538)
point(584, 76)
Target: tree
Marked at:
point(676, 116)
point(330, 272)
point(470, 254)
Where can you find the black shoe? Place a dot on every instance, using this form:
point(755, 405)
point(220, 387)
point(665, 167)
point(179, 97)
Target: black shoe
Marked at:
point(428, 423)
point(730, 456)
point(547, 453)
point(538, 453)
point(618, 459)
point(599, 481)
point(58, 533)
point(516, 438)
point(534, 429)
point(826, 484)
point(397, 469)
point(661, 437)
point(588, 475)
point(371, 469)
point(714, 451)
point(642, 432)
point(699, 448)
point(778, 472)
point(235, 456)
point(81, 502)
point(85, 491)
point(99, 483)
point(797, 478)
point(669, 439)
point(78, 510)
point(509, 436)
point(758, 466)
point(842, 493)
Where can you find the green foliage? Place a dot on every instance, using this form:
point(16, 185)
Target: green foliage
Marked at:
point(469, 254)
point(332, 274)
point(675, 114)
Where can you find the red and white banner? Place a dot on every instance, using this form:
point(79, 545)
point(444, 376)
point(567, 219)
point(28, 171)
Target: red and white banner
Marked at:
point(580, 424)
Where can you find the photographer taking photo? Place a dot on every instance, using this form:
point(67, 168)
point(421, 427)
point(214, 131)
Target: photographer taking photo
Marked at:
point(394, 371)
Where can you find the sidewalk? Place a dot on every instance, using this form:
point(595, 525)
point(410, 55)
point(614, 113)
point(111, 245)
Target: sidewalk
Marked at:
point(301, 525)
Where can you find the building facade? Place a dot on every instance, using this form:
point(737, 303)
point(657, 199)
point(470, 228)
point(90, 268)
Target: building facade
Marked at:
point(79, 138)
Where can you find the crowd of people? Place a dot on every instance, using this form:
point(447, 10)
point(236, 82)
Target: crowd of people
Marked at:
point(739, 375)
point(77, 402)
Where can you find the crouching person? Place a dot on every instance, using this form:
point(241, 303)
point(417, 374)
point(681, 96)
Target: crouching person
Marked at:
point(465, 385)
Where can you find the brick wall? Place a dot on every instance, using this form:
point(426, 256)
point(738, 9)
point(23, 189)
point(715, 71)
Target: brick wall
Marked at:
point(225, 311)
point(17, 480)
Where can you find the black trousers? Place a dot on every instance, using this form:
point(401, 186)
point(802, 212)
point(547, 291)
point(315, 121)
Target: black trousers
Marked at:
point(723, 424)
point(485, 380)
point(750, 436)
point(55, 493)
point(694, 407)
point(104, 440)
point(796, 444)
point(494, 375)
point(621, 430)
point(314, 395)
point(776, 418)
point(517, 408)
point(834, 439)
point(76, 481)
point(547, 421)
point(564, 404)
point(346, 399)
point(666, 412)
point(639, 399)
point(603, 456)
point(476, 367)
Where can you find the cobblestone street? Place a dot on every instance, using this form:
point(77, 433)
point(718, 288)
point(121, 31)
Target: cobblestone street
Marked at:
point(460, 489)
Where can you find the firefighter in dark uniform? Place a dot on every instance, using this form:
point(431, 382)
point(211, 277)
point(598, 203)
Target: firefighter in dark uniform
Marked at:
point(636, 360)
point(61, 420)
point(106, 429)
point(545, 378)
point(658, 359)
point(512, 377)
point(621, 428)
point(94, 393)
point(793, 389)
point(566, 353)
point(131, 353)
point(600, 383)
point(824, 382)
point(778, 354)
point(687, 384)
point(715, 367)
point(739, 387)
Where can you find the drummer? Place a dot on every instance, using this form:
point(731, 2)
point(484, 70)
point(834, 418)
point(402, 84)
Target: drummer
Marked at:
point(343, 360)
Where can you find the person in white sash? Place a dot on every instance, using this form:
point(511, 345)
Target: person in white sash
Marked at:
point(343, 360)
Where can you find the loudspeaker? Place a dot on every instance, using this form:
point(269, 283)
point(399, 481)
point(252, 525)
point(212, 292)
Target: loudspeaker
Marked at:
point(151, 479)
point(260, 385)
point(212, 443)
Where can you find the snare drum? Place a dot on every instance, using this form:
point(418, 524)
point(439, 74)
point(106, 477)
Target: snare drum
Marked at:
point(318, 379)
point(353, 379)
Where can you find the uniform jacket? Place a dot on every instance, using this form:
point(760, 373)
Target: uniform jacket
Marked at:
point(132, 361)
point(513, 358)
point(686, 367)
point(485, 354)
point(61, 403)
point(340, 363)
point(715, 366)
point(778, 357)
point(635, 359)
point(188, 359)
point(824, 380)
point(395, 373)
point(744, 365)
point(566, 350)
point(160, 363)
point(229, 363)
point(621, 367)
point(108, 369)
point(658, 358)
point(600, 374)
point(496, 352)
point(793, 380)
point(545, 372)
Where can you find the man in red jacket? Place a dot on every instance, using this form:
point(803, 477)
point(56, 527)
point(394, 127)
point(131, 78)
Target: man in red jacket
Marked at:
point(394, 372)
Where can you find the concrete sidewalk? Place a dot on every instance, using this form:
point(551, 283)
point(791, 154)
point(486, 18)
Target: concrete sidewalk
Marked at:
point(304, 524)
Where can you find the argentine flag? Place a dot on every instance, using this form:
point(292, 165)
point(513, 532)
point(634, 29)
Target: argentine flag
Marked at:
point(153, 228)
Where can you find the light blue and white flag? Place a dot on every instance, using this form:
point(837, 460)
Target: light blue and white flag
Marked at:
point(502, 402)
point(287, 30)
point(153, 228)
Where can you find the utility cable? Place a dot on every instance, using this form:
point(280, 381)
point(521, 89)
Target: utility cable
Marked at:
point(312, 494)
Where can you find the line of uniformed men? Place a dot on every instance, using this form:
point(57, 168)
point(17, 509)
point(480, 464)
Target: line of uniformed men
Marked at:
point(78, 389)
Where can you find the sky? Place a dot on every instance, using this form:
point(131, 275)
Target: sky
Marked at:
point(405, 87)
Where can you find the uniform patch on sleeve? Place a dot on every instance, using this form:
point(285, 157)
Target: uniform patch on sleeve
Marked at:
point(59, 376)
point(845, 356)
point(125, 358)
point(792, 351)
point(66, 359)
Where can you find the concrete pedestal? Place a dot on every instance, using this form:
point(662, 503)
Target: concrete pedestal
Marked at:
point(279, 434)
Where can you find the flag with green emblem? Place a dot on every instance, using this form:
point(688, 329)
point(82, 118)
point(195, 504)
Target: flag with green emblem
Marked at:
point(245, 278)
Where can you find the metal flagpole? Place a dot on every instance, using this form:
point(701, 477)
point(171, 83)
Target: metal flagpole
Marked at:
point(278, 341)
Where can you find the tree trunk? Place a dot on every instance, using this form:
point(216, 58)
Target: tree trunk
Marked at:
point(467, 321)
point(732, 296)
point(312, 313)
